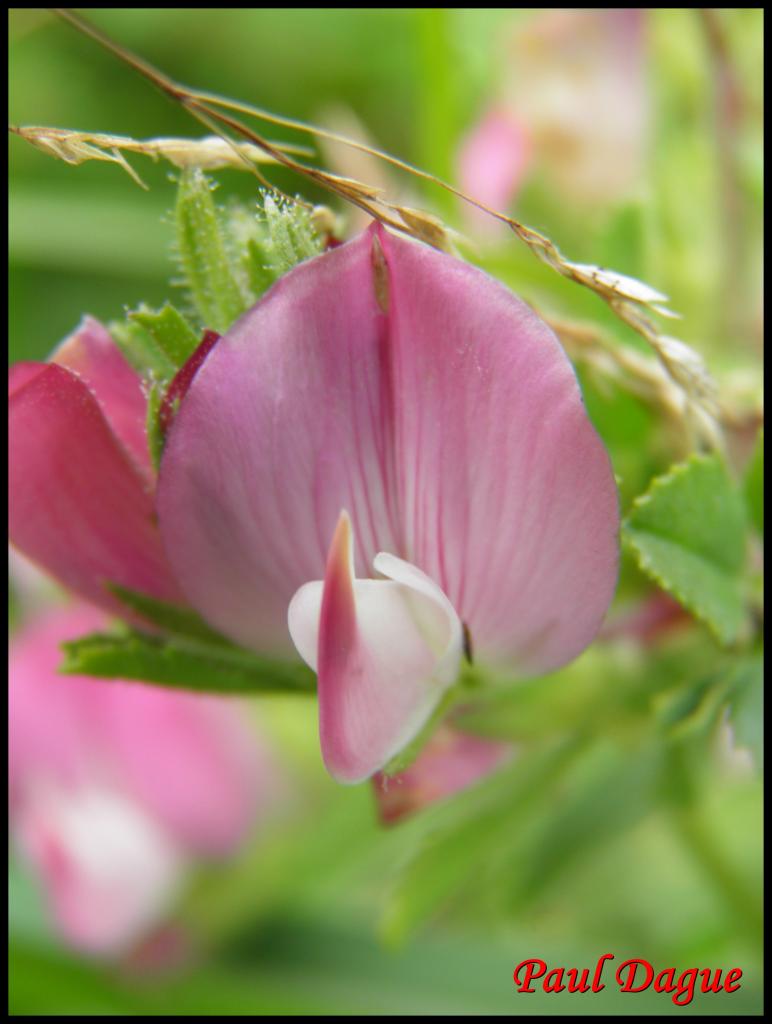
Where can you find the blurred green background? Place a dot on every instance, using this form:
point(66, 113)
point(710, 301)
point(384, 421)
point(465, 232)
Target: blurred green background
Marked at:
point(626, 824)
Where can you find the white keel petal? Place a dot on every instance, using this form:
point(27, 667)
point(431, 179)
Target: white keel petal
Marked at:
point(385, 652)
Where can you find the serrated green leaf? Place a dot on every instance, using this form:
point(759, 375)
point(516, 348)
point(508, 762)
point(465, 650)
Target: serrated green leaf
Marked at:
point(170, 330)
point(183, 663)
point(754, 485)
point(203, 253)
point(689, 532)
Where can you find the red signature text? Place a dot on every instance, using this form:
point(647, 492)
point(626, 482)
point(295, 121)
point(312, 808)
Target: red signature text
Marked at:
point(635, 975)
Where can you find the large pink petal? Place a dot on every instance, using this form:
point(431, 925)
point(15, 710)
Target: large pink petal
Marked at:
point(22, 373)
point(286, 423)
point(78, 505)
point(507, 497)
point(415, 391)
point(92, 355)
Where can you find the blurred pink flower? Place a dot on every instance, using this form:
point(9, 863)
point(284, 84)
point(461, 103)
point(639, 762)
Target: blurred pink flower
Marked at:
point(114, 787)
point(450, 762)
point(572, 109)
point(81, 488)
point(647, 621)
point(492, 162)
point(419, 395)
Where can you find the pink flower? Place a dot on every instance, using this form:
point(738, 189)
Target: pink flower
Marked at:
point(493, 160)
point(389, 409)
point(81, 489)
point(115, 786)
point(450, 761)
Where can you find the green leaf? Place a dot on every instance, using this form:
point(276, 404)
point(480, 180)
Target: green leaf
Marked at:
point(169, 330)
point(688, 532)
point(183, 663)
point(171, 618)
point(203, 253)
point(230, 257)
point(291, 236)
point(155, 437)
point(277, 243)
point(754, 485)
point(141, 350)
point(257, 264)
point(156, 343)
